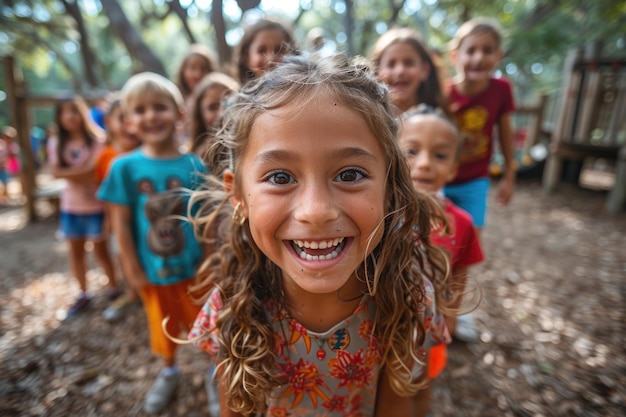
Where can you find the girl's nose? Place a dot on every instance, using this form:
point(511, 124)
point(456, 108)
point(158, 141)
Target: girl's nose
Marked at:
point(423, 160)
point(399, 69)
point(315, 204)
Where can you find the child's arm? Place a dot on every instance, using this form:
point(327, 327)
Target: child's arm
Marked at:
point(389, 403)
point(223, 394)
point(505, 136)
point(85, 172)
point(121, 222)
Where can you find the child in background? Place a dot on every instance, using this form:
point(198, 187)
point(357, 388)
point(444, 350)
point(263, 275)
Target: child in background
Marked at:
point(431, 143)
point(72, 155)
point(405, 65)
point(263, 44)
point(9, 160)
point(119, 141)
point(158, 250)
point(196, 64)
point(320, 302)
point(479, 102)
point(205, 114)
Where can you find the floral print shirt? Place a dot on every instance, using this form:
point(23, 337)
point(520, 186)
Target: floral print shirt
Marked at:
point(334, 373)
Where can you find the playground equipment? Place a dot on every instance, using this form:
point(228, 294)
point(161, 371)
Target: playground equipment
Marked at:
point(591, 122)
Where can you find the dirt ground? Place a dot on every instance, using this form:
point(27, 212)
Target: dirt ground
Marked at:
point(552, 319)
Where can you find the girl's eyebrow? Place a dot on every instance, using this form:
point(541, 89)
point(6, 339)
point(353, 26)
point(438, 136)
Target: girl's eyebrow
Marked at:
point(279, 155)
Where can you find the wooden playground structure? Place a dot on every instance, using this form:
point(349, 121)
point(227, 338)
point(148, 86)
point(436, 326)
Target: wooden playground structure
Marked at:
point(20, 103)
point(591, 122)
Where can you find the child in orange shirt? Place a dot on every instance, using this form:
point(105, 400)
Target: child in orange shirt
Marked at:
point(119, 140)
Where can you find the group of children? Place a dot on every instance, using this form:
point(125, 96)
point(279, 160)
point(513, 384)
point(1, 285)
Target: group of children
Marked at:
point(310, 200)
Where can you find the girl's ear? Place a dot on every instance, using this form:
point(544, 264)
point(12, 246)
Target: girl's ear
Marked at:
point(230, 187)
point(229, 181)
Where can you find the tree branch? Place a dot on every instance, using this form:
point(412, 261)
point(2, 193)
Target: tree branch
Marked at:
point(175, 7)
point(133, 42)
point(87, 55)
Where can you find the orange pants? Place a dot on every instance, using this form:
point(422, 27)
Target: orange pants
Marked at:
point(173, 302)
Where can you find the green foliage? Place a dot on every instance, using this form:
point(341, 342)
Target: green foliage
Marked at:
point(44, 37)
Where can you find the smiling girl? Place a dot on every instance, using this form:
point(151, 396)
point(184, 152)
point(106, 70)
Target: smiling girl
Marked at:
point(406, 66)
point(319, 302)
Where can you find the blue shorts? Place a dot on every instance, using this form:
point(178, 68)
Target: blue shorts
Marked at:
point(471, 196)
point(4, 177)
point(81, 226)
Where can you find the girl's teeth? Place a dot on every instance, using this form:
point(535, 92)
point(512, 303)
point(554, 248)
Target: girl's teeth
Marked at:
point(337, 243)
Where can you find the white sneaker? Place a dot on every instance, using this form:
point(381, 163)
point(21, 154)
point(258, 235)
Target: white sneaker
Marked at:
point(466, 329)
point(161, 393)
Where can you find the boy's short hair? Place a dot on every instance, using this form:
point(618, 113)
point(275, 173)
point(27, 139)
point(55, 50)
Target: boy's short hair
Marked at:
point(426, 110)
point(151, 82)
point(476, 26)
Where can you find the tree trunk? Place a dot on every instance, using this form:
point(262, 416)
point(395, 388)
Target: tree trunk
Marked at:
point(395, 11)
point(182, 15)
point(348, 26)
point(133, 42)
point(87, 55)
point(224, 51)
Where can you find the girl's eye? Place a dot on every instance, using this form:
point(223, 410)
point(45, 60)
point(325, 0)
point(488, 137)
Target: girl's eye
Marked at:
point(280, 178)
point(350, 175)
point(442, 156)
point(409, 152)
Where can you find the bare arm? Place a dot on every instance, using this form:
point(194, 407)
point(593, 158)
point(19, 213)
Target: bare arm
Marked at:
point(223, 393)
point(121, 223)
point(85, 172)
point(388, 402)
point(505, 136)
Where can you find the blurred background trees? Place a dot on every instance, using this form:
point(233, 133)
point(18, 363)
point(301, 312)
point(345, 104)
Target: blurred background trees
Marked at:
point(87, 46)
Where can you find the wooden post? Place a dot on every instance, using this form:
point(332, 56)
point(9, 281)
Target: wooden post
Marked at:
point(590, 95)
point(535, 125)
point(554, 165)
point(617, 196)
point(18, 116)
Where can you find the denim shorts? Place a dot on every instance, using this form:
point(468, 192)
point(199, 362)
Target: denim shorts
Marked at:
point(4, 177)
point(81, 226)
point(471, 196)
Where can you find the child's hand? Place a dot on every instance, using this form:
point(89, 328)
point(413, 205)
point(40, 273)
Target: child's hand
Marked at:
point(506, 188)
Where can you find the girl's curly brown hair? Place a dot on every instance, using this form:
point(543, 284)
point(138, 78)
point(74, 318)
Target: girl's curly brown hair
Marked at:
point(247, 279)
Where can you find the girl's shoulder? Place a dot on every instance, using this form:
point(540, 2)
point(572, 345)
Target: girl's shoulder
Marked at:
point(204, 332)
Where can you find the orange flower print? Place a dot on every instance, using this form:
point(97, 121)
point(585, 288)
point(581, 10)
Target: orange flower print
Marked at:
point(277, 412)
point(303, 378)
point(298, 331)
point(350, 370)
point(366, 329)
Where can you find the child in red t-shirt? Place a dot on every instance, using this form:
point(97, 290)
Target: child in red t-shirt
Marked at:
point(481, 104)
point(431, 143)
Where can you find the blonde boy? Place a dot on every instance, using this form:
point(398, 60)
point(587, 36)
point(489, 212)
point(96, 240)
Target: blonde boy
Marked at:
point(159, 252)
